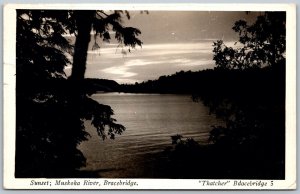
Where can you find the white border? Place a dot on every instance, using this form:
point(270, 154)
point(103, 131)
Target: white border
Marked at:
point(9, 57)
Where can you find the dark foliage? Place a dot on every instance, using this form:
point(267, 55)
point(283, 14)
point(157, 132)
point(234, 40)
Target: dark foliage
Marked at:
point(260, 44)
point(51, 109)
point(189, 159)
point(254, 106)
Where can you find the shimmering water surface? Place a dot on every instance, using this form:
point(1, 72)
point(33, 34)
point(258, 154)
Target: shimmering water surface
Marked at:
point(150, 120)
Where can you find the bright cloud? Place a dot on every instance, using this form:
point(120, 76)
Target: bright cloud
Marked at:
point(155, 50)
point(140, 62)
point(121, 71)
point(149, 62)
point(201, 62)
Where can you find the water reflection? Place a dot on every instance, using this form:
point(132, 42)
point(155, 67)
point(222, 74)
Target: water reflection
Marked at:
point(150, 120)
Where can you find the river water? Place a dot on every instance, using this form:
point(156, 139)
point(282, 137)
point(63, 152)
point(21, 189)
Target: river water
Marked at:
point(150, 121)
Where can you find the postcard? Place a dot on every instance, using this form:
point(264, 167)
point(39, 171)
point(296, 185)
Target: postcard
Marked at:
point(150, 96)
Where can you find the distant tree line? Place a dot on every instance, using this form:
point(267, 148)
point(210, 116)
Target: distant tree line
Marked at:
point(221, 81)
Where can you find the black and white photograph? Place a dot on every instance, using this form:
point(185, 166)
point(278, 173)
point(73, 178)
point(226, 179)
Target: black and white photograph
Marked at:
point(149, 97)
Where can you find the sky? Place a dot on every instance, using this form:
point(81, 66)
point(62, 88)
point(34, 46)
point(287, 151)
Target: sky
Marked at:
point(172, 41)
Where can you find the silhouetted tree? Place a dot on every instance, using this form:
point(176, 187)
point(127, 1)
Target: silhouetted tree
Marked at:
point(252, 97)
point(260, 44)
point(100, 22)
point(51, 110)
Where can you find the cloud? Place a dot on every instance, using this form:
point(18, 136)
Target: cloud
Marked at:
point(150, 62)
point(201, 62)
point(140, 62)
point(173, 41)
point(141, 70)
point(181, 61)
point(179, 48)
point(119, 70)
point(155, 50)
point(125, 70)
